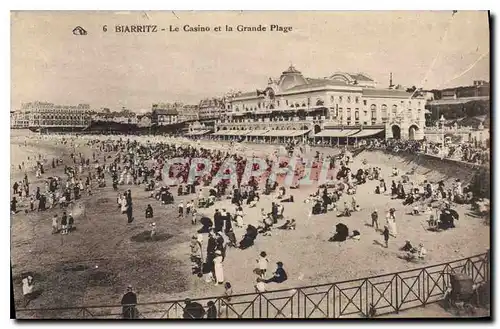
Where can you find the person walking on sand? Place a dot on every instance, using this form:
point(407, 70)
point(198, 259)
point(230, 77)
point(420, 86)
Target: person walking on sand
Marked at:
point(13, 206)
point(15, 187)
point(189, 207)
point(64, 223)
point(149, 212)
point(153, 231)
point(55, 224)
point(262, 261)
point(181, 209)
point(375, 219)
point(71, 221)
point(218, 269)
point(123, 204)
point(386, 236)
point(391, 222)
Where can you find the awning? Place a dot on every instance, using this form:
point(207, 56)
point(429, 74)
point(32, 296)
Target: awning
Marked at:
point(256, 132)
point(296, 133)
point(367, 132)
point(238, 132)
point(278, 133)
point(222, 133)
point(336, 133)
point(197, 132)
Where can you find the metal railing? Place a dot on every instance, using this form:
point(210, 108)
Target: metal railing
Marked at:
point(387, 293)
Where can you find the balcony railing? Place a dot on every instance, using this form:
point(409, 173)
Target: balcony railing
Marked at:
point(386, 293)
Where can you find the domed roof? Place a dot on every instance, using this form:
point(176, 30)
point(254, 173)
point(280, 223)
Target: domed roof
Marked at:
point(291, 78)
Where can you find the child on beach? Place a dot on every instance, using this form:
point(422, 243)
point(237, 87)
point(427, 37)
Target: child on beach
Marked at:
point(386, 236)
point(263, 262)
point(55, 224)
point(153, 230)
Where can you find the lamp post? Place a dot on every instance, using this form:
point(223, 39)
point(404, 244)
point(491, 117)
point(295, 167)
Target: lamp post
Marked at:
point(442, 120)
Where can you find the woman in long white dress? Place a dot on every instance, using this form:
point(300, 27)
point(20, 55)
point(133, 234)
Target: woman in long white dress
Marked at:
point(391, 222)
point(119, 200)
point(239, 217)
point(124, 204)
point(219, 271)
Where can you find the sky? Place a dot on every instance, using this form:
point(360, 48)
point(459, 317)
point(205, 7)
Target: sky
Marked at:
point(429, 49)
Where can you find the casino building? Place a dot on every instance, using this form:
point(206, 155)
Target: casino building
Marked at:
point(340, 108)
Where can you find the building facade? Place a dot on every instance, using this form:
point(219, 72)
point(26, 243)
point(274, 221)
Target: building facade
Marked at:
point(144, 120)
point(188, 113)
point(341, 105)
point(456, 133)
point(19, 119)
point(163, 114)
point(48, 115)
point(213, 108)
point(467, 101)
point(119, 117)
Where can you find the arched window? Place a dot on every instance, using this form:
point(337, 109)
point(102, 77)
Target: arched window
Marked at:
point(348, 99)
point(356, 99)
point(332, 99)
point(384, 111)
point(394, 109)
point(340, 99)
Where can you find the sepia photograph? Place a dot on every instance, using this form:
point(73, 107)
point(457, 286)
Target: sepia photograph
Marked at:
point(186, 165)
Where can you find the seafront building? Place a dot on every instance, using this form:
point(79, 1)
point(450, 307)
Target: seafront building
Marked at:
point(333, 109)
point(163, 114)
point(458, 102)
point(188, 113)
point(213, 108)
point(43, 116)
point(19, 119)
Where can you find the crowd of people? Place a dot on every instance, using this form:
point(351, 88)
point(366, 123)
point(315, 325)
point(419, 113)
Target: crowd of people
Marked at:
point(466, 152)
point(142, 164)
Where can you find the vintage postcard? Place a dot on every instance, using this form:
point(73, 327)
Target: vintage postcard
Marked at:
point(250, 165)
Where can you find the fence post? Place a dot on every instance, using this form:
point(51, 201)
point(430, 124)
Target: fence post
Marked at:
point(299, 290)
point(367, 304)
point(488, 265)
point(397, 294)
point(260, 306)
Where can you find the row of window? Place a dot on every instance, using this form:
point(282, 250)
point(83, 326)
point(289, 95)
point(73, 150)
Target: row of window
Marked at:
point(59, 122)
point(319, 102)
point(373, 109)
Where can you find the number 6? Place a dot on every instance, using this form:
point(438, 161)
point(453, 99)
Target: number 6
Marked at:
point(105, 28)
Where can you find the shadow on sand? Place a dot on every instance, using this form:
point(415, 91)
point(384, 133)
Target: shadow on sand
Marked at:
point(145, 236)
